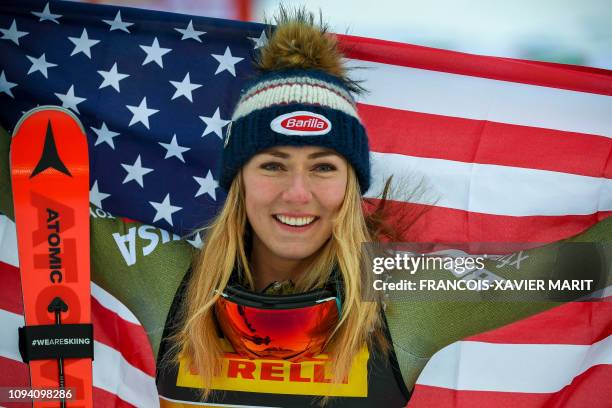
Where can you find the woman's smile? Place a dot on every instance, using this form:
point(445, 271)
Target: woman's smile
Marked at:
point(296, 223)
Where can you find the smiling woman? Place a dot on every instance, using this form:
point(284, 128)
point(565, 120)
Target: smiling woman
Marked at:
point(292, 196)
point(280, 274)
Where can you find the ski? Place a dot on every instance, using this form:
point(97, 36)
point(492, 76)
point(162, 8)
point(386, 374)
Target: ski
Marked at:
point(50, 181)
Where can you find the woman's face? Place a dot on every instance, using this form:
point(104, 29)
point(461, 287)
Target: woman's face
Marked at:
point(292, 194)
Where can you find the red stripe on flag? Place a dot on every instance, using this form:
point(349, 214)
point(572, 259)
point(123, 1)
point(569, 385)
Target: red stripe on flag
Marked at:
point(439, 224)
point(479, 141)
point(589, 389)
point(10, 290)
point(572, 323)
point(15, 374)
point(103, 398)
point(110, 329)
point(560, 76)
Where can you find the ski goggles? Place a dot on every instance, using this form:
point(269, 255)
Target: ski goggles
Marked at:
point(288, 327)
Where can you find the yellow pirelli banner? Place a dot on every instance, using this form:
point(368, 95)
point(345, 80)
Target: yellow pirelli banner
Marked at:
point(308, 377)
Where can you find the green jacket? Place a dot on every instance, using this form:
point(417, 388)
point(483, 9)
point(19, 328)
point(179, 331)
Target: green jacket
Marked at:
point(143, 266)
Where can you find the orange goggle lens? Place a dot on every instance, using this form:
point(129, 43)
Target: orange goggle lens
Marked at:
point(289, 334)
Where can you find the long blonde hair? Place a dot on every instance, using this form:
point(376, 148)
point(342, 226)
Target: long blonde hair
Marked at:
point(361, 322)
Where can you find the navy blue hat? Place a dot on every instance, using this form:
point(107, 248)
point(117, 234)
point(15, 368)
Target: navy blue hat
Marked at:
point(295, 108)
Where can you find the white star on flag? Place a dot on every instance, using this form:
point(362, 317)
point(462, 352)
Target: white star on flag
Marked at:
point(196, 241)
point(95, 196)
point(112, 78)
point(259, 41)
point(69, 100)
point(141, 113)
point(135, 172)
point(40, 64)
point(227, 62)
point(174, 150)
point(155, 53)
point(207, 185)
point(164, 209)
point(184, 88)
point(214, 124)
point(12, 33)
point(189, 32)
point(83, 44)
point(5, 86)
point(105, 135)
point(118, 24)
point(47, 15)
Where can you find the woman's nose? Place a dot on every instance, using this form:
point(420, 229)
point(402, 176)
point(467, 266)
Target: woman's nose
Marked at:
point(298, 190)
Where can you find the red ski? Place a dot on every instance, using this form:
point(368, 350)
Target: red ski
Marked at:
point(50, 176)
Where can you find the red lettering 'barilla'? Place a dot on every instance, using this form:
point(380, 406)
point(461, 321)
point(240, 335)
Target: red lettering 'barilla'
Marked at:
point(301, 123)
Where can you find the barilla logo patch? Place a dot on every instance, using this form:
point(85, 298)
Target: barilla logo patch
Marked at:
point(301, 123)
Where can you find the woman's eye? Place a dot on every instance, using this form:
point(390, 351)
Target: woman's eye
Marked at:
point(271, 166)
point(325, 167)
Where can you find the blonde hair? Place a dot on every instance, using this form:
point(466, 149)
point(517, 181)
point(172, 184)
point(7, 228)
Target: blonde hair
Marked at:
point(361, 321)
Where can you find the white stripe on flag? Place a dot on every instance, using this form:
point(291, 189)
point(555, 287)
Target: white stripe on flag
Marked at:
point(493, 189)
point(8, 239)
point(113, 373)
point(530, 368)
point(9, 337)
point(463, 96)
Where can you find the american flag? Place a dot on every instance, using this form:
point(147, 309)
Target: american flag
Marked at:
point(154, 91)
point(508, 150)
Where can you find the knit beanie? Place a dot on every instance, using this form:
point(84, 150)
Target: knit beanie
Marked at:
point(301, 97)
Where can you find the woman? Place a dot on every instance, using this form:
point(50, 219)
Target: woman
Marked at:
point(295, 164)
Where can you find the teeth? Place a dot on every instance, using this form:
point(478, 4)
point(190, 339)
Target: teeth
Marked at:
point(295, 221)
